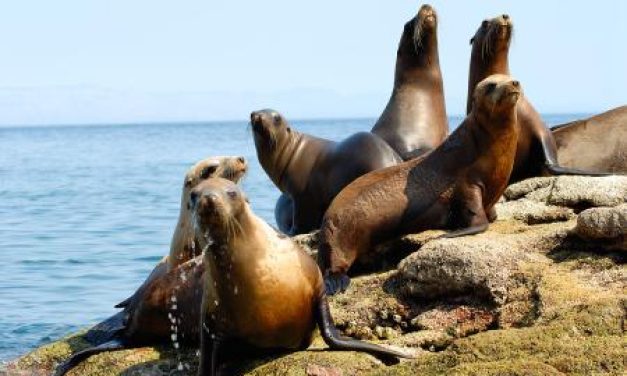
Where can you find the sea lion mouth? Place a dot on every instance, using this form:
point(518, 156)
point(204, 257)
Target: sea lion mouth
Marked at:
point(426, 20)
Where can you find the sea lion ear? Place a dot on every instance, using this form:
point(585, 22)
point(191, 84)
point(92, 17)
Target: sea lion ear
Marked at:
point(472, 40)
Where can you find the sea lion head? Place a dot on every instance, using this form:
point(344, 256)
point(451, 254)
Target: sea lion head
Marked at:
point(418, 33)
point(275, 143)
point(269, 128)
point(497, 94)
point(232, 168)
point(218, 206)
point(493, 35)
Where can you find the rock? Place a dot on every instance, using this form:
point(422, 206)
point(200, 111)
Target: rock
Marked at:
point(309, 242)
point(475, 265)
point(316, 370)
point(603, 223)
point(578, 192)
point(533, 212)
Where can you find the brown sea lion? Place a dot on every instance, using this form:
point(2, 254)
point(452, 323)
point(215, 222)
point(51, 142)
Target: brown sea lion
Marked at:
point(311, 170)
point(536, 153)
point(183, 246)
point(598, 143)
point(147, 315)
point(414, 120)
point(265, 292)
point(167, 309)
point(453, 187)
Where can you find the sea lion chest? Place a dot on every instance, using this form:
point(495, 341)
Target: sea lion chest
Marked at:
point(265, 299)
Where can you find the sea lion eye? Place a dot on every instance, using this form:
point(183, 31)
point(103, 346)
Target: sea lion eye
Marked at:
point(490, 88)
point(232, 194)
point(208, 171)
point(276, 118)
point(485, 23)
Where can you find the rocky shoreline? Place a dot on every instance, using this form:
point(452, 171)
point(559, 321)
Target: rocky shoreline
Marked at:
point(542, 292)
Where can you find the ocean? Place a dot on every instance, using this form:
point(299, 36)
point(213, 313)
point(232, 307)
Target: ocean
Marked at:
point(87, 211)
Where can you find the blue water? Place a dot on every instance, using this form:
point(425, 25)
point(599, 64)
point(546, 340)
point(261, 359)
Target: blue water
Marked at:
point(86, 212)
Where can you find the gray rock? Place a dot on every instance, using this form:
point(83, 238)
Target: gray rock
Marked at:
point(603, 223)
point(309, 242)
point(481, 265)
point(533, 212)
point(572, 191)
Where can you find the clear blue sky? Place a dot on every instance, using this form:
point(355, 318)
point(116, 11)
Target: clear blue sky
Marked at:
point(77, 61)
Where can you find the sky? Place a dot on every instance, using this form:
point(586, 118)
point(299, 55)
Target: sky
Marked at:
point(109, 61)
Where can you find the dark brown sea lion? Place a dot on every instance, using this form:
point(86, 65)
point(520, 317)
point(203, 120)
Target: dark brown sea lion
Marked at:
point(311, 170)
point(536, 153)
point(598, 143)
point(265, 292)
point(414, 120)
point(170, 296)
point(166, 308)
point(453, 187)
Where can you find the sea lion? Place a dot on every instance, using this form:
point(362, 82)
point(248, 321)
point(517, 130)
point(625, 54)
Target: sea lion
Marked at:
point(147, 315)
point(414, 120)
point(598, 143)
point(311, 170)
point(265, 292)
point(453, 187)
point(183, 246)
point(536, 153)
point(166, 308)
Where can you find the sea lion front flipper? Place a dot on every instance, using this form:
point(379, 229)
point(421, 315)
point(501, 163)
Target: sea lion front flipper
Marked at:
point(469, 216)
point(465, 231)
point(210, 343)
point(335, 341)
point(63, 368)
point(336, 282)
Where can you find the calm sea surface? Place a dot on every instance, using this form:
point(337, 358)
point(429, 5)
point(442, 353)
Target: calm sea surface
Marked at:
point(86, 212)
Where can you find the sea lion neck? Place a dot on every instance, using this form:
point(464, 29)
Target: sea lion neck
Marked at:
point(220, 246)
point(283, 157)
point(484, 66)
point(423, 64)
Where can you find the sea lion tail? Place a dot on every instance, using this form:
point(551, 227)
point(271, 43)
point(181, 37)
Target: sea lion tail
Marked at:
point(63, 368)
point(336, 341)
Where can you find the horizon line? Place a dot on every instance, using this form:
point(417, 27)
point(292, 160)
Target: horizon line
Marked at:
point(191, 122)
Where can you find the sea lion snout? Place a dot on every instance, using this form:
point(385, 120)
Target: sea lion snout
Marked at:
point(427, 16)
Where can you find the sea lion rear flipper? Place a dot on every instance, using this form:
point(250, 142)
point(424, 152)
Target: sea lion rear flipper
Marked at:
point(335, 341)
point(334, 283)
point(107, 330)
point(552, 165)
point(63, 368)
point(124, 302)
point(555, 169)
